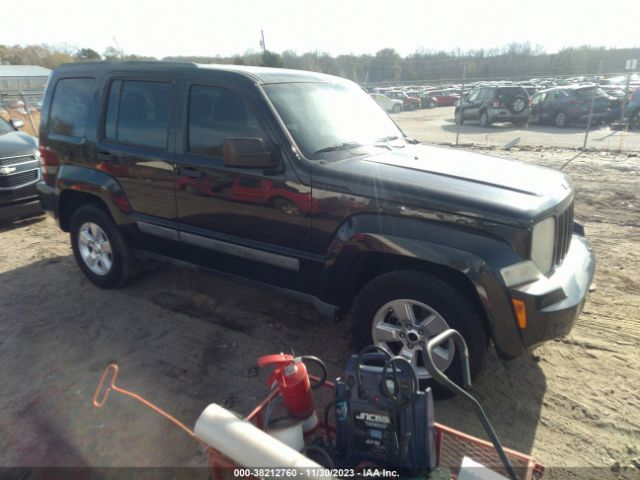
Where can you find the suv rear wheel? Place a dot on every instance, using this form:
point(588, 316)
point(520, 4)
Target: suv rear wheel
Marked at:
point(484, 119)
point(401, 311)
point(99, 247)
point(397, 108)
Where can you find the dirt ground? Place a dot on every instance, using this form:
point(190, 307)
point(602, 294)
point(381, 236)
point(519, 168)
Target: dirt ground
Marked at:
point(185, 339)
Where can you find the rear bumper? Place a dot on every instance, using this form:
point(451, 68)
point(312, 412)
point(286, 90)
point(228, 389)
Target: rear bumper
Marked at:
point(553, 304)
point(47, 198)
point(505, 115)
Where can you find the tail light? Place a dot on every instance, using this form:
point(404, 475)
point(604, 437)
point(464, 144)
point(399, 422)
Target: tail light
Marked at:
point(48, 164)
point(632, 97)
point(496, 102)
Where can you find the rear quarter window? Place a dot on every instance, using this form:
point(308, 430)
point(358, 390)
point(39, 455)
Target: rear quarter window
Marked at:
point(510, 92)
point(70, 106)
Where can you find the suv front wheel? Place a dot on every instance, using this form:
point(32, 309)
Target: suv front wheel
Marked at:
point(99, 248)
point(560, 119)
point(402, 310)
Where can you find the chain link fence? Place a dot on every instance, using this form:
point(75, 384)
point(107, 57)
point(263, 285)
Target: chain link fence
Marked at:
point(24, 106)
point(592, 112)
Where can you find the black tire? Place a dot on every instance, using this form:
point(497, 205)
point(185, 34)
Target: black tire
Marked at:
point(459, 117)
point(560, 119)
point(396, 108)
point(517, 104)
point(440, 296)
point(123, 266)
point(484, 119)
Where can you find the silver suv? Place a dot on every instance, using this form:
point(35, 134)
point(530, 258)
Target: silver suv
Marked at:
point(508, 103)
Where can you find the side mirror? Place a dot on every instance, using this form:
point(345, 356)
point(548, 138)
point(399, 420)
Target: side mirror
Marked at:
point(16, 124)
point(248, 152)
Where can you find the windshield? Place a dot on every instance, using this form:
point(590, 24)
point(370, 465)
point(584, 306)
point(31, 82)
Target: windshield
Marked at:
point(5, 127)
point(330, 116)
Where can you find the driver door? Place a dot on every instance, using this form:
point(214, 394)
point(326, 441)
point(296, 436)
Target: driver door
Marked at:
point(253, 222)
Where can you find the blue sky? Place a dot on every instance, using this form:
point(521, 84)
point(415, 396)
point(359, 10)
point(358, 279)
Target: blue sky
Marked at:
point(190, 27)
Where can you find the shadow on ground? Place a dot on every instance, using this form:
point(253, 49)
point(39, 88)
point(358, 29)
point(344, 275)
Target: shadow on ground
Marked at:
point(183, 340)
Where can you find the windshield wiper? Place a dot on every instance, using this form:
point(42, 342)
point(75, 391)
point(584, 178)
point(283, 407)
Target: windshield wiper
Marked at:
point(339, 146)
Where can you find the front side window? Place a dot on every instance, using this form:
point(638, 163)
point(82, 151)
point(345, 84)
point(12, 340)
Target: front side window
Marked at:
point(70, 106)
point(323, 115)
point(217, 113)
point(138, 113)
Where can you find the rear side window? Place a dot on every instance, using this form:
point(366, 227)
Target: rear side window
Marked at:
point(510, 92)
point(215, 114)
point(589, 92)
point(138, 113)
point(70, 106)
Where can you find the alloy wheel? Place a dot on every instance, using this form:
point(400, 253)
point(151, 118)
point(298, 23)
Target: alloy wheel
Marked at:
point(95, 248)
point(404, 326)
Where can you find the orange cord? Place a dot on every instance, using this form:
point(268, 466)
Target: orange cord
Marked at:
point(112, 386)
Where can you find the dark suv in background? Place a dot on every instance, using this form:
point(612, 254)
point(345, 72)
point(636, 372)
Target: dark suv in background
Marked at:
point(270, 175)
point(508, 103)
point(572, 104)
point(19, 172)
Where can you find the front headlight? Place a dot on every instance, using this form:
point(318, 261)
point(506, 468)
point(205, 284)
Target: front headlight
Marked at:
point(542, 244)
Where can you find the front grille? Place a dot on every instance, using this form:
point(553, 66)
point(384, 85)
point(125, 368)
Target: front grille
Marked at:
point(18, 179)
point(5, 162)
point(564, 232)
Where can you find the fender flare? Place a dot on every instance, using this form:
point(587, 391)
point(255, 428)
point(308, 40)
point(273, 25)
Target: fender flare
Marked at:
point(72, 178)
point(424, 245)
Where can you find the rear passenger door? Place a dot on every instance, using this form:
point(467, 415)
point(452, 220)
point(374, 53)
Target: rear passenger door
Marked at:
point(136, 143)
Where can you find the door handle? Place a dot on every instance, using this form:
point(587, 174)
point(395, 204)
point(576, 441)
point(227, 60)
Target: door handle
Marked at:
point(107, 157)
point(190, 172)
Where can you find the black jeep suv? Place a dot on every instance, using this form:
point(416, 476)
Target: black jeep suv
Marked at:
point(300, 181)
point(19, 172)
point(506, 103)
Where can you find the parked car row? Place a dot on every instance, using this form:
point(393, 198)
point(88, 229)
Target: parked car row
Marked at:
point(558, 101)
point(413, 98)
point(560, 106)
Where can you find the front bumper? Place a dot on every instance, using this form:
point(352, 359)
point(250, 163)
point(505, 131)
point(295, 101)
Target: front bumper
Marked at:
point(553, 304)
point(23, 208)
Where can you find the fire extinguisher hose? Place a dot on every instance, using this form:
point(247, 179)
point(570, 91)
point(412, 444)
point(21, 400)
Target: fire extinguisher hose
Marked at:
point(307, 359)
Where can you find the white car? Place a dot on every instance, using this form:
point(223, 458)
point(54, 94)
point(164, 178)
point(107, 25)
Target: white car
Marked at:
point(387, 104)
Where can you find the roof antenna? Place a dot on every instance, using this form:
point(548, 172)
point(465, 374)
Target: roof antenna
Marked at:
point(119, 48)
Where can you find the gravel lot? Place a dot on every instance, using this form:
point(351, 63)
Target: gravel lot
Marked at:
point(186, 339)
point(437, 125)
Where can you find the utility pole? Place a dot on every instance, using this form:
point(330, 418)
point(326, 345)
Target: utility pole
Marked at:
point(262, 44)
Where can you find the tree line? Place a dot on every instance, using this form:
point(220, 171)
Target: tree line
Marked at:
point(516, 60)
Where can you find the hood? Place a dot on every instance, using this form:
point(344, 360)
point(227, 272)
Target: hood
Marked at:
point(13, 144)
point(455, 181)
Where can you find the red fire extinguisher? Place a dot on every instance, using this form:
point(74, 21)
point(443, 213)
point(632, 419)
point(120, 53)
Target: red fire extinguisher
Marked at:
point(292, 379)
